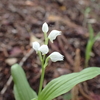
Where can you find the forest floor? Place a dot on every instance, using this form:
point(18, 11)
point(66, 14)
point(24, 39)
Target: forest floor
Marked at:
point(20, 25)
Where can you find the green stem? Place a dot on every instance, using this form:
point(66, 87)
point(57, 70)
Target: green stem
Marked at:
point(41, 80)
point(40, 56)
point(44, 64)
point(86, 63)
point(42, 75)
point(46, 38)
point(44, 58)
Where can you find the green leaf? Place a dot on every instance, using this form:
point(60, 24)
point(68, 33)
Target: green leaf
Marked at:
point(35, 99)
point(16, 94)
point(89, 45)
point(67, 96)
point(65, 83)
point(22, 89)
point(88, 51)
point(91, 31)
point(87, 10)
point(97, 37)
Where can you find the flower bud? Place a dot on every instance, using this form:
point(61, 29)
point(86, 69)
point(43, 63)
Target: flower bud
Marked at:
point(53, 34)
point(35, 46)
point(44, 49)
point(45, 27)
point(56, 56)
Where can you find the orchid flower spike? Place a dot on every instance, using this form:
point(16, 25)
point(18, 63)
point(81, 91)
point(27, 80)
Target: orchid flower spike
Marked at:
point(45, 27)
point(56, 56)
point(35, 46)
point(44, 49)
point(53, 34)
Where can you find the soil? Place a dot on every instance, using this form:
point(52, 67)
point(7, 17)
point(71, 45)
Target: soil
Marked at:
point(20, 25)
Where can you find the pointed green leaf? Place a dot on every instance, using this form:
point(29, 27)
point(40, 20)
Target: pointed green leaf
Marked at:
point(87, 10)
point(67, 96)
point(97, 37)
point(16, 94)
point(88, 51)
point(35, 99)
point(65, 83)
point(91, 31)
point(22, 88)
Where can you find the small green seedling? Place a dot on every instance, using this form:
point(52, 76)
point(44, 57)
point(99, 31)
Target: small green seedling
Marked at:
point(90, 43)
point(57, 86)
point(86, 15)
point(67, 96)
point(87, 11)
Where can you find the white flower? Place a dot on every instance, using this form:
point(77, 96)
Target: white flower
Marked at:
point(56, 56)
point(35, 46)
point(45, 27)
point(44, 49)
point(53, 34)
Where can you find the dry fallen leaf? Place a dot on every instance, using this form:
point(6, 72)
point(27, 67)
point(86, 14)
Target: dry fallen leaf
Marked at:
point(33, 39)
point(11, 61)
point(29, 3)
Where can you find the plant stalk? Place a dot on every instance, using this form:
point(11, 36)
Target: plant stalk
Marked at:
point(46, 38)
point(41, 80)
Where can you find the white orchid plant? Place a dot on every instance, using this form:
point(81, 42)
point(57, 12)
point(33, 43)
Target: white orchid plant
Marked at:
point(54, 88)
point(43, 50)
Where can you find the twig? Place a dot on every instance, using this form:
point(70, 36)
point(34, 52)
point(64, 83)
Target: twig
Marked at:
point(67, 55)
point(82, 87)
point(21, 64)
